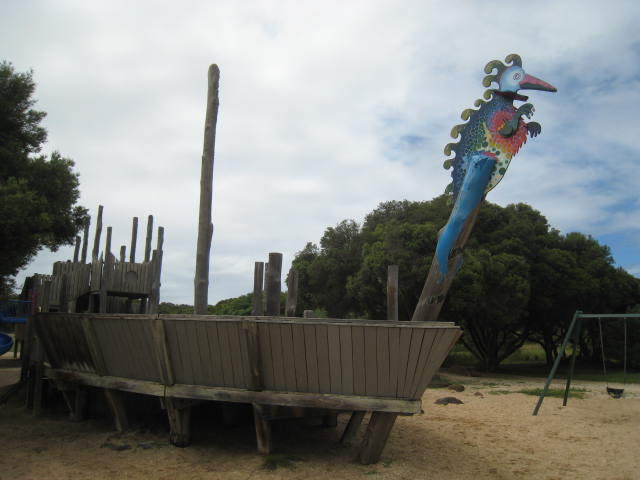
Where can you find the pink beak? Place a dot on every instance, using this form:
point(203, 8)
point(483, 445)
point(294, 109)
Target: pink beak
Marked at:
point(529, 82)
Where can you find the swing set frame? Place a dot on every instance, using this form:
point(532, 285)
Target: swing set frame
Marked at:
point(573, 334)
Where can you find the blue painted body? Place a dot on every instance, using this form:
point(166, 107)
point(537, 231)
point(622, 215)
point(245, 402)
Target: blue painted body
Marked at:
point(479, 169)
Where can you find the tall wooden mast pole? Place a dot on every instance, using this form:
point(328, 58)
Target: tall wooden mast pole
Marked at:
point(205, 227)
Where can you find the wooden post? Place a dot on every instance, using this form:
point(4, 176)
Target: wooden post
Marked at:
point(392, 292)
point(63, 299)
point(351, 430)
point(154, 295)
point(134, 240)
point(434, 292)
point(108, 246)
point(273, 284)
point(147, 245)
point(179, 414)
point(263, 429)
point(123, 253)
point(76, 251)
point(205, 227)
point(85, 241)
point(96, 240)
point(376, 437)
point(292, 293)
point(257, 307)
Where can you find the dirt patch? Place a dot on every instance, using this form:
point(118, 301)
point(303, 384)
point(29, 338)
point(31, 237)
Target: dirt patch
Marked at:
point(487, 436)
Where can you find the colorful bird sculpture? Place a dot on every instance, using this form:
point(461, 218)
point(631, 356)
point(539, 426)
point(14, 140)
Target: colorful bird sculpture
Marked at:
point(491, 137)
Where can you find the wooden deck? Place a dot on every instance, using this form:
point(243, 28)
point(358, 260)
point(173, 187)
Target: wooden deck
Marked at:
point(353, 365)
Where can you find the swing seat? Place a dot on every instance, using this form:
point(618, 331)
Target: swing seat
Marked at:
point(615, 392)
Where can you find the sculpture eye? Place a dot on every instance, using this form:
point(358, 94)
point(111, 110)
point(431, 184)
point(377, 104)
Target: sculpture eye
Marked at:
point(517, 76)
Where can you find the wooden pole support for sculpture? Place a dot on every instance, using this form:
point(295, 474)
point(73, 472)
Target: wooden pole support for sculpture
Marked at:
point(434, 292)
point(205, 227)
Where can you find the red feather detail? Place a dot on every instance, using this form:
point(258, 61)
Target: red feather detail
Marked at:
point(511, 144)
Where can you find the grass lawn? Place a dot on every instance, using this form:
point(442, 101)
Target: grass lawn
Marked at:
point(530, 361)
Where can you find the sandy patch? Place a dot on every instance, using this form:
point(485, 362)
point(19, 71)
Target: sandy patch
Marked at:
point(488, 436)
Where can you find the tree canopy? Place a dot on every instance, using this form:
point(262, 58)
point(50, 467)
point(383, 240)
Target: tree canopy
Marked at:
point(521, 280)
point(38, 194)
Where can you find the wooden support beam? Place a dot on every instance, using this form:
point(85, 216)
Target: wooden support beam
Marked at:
point(123, 253)
point(273, 284)
point(351, 430)
point(257, 307)
point(108, 245)
point(96, 239)
point(376, 436)
point(392, 292)
point(76, 251)
point(115, 400)
point(147, 244)
point(205, 227)
point(292, 293)
point(265, 397)
point(263, 429)
point(77, 414)
point(134, 240)
point(179, 414)
point(85, 241)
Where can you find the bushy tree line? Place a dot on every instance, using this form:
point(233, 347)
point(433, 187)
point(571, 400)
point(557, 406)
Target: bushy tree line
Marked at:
point(38, 193)
point(521, 280)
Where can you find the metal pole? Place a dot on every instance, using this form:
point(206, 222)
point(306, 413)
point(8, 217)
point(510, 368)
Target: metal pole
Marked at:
point(557, 362)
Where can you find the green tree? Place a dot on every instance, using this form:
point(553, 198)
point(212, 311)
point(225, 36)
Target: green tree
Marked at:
point(324, 272)
point(38, 195)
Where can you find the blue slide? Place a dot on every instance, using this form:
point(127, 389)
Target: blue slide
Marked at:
point(6, 342)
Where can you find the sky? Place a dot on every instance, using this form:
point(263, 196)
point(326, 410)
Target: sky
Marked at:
point(326, 110)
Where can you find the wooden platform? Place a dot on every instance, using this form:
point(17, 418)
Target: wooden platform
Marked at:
point(345, 365)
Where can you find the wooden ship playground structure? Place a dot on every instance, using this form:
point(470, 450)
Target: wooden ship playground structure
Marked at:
point(96, 324)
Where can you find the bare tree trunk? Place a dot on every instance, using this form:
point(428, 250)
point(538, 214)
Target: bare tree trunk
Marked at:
point(205, 227)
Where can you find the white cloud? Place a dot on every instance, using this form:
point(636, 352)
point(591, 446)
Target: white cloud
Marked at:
point(316, 101)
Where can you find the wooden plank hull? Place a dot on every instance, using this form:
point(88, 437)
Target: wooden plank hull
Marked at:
point(353, 358)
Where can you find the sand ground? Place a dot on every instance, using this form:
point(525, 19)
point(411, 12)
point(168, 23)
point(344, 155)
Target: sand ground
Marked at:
point(491, 435)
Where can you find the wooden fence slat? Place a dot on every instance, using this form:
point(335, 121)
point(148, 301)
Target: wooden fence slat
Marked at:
point(425, 350)
point(346, 357)
point(312, 357)
point(324, 373)
point(217, 365)
point(382, 360)
point(288, 358)
point(359, 368)
point(412, 360)
point(266, 359)
point(239, 367)
point(335, 369)
point(370, 362)
point(394, 361)
point(300, 360)
point(278, 361)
